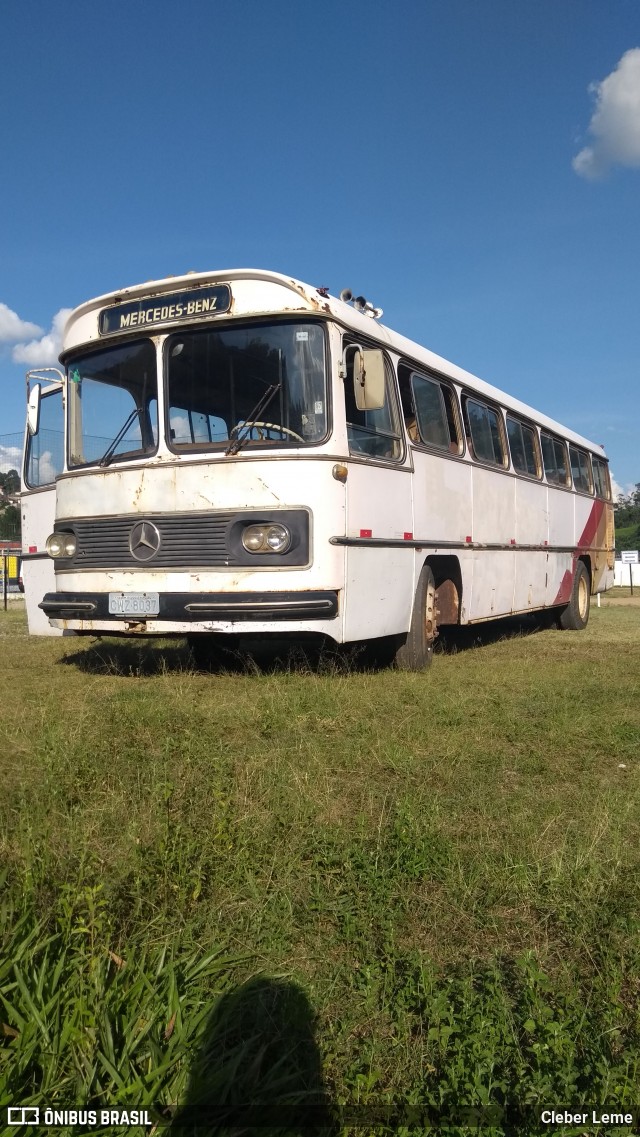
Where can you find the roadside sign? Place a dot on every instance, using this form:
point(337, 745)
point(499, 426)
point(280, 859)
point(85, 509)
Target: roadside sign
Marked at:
point(629, 556)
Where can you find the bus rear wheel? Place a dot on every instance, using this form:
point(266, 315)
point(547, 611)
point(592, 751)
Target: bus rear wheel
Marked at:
point(575, 616)
point(416, 652)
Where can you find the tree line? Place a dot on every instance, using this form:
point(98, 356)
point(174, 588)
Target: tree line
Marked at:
point(627, 511)
point(9, 513)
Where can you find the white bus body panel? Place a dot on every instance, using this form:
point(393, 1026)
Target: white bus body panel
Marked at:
point(38, 575)
point(531, 528)
point(379, 582)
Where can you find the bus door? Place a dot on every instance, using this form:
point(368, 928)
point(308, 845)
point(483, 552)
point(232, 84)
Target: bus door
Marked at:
point(42, 462)
point(380, 572)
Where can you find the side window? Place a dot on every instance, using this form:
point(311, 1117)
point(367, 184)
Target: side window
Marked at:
point(482, 424)
point(431, 413)
point(601, 478)
point(45, 450)
point(523, 446)
point(554, 457)
point(580, 471)
point(373, 434)
point(189, 427)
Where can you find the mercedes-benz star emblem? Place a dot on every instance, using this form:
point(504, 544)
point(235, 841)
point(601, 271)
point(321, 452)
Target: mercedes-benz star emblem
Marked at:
point(144, 541)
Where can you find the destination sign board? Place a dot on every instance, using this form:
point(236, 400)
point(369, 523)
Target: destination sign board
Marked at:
point(169, 308)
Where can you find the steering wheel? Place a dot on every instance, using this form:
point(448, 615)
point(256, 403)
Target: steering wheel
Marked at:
point(266, 426)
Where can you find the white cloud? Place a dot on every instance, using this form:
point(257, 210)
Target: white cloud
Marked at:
point(180, 429)
point(615, 123)
point(46, 469)
point(10, 458)
point(617, 490)
point(13, 328)
point(43, 352)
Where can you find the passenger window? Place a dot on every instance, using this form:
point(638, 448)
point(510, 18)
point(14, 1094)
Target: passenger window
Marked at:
point(554, 457)
point(373, 434)
point(523, 447)
point(601, 478)
point(435, 415)
point(482, 424)
point(580, 471)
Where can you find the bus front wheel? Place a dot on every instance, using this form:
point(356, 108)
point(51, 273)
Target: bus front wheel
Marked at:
point(416, 652)
point(575, 616)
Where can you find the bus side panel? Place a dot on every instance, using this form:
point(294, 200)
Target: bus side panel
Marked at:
point(494, 523)
point(562, 536)
point(38, 509)
point(594, 532)
point(380, 582)
point(604, 560)
point(443, 505)
point(443, 512)
point(532, 528)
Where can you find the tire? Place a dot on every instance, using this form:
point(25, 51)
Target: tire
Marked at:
point(416, 652)
point(575, 616)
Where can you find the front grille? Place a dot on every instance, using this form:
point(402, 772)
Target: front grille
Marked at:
point(186, 540)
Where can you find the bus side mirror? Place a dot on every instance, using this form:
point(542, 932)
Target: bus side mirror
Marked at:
point(368, 379)
point(33, 410)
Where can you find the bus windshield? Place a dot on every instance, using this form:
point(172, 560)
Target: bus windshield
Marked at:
point(259, 385)
point(109, 391)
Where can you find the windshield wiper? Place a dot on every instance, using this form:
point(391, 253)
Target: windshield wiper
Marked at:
point(111, 448)
point(254, 416)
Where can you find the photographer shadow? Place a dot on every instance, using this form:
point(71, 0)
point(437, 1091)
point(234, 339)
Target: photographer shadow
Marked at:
point(258, 1069)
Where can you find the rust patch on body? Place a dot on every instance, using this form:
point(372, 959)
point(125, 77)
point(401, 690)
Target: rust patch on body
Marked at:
point(447, 603)
point(315, 302)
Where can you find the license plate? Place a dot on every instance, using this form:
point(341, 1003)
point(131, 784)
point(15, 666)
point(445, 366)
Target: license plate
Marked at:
point(134, 603)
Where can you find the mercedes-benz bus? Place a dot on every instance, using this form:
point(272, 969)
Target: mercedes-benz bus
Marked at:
point(237, 454)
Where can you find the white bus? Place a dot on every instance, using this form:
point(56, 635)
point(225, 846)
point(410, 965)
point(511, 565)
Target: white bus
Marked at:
point(238, 454)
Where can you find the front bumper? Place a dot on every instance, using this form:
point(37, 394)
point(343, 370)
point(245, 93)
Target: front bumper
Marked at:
point(198, 606)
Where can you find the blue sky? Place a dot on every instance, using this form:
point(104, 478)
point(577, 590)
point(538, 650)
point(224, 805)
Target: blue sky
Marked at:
point(471, 166)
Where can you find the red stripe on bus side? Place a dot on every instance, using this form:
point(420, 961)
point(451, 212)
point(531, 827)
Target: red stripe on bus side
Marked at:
point(585, 541)
point(596, 514)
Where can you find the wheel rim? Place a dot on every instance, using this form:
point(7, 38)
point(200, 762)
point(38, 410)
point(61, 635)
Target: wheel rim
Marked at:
point(430, 615)
point(583, 596)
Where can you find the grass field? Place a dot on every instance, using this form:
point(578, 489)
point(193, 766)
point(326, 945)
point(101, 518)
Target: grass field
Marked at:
point(387, 890)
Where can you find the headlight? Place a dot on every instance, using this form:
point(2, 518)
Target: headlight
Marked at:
point(61, 545)
point(266, 539)
point(253, 538)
